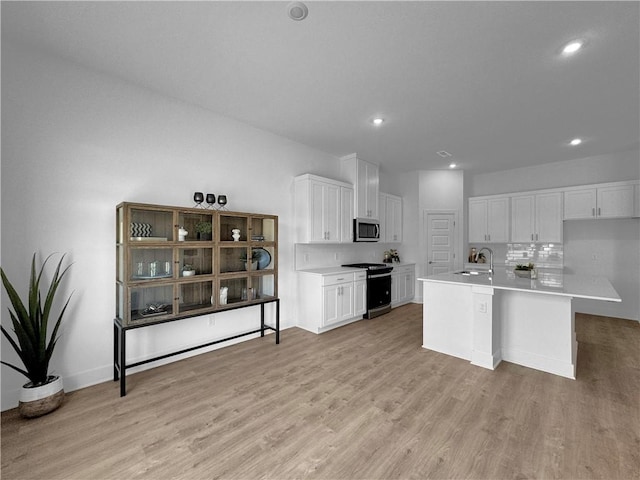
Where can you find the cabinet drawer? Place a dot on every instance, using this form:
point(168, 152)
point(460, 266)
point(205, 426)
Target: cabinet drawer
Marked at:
point(337, 278)
point(360, 276)
point(403, 269)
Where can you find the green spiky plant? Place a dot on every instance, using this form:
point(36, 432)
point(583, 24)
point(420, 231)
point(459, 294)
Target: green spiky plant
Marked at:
point(30, 323)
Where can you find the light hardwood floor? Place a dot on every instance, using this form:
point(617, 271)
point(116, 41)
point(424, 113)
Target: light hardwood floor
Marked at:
point(363, 401)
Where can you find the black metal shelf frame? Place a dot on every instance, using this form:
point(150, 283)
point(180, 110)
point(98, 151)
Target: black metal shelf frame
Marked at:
point(120, 333)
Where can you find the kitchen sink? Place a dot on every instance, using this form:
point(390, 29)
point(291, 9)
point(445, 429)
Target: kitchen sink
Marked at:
point(472, 272)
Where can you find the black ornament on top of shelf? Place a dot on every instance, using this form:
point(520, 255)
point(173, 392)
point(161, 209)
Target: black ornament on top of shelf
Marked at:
point(198, 197)
point(222, 201)
point(211, 200)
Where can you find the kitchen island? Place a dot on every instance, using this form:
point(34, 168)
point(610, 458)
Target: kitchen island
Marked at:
point(486, 318)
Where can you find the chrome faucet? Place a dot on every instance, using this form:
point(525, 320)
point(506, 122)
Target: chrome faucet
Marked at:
point(490, 257)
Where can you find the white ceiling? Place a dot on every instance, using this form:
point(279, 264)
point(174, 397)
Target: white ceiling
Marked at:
point(484, 81)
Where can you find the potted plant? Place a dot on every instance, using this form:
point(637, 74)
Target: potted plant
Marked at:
point(44, 392)
point(188, 270)
point(255, 256)
point(203, 229)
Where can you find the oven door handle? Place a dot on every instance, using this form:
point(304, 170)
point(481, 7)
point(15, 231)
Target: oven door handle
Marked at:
point(379, 275)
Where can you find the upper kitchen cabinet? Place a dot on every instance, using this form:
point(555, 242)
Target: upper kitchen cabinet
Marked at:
point(536, 217)
point(365, 177)
point(324, 210)
point(489, 220)
point(599, 201)
point(390, 209)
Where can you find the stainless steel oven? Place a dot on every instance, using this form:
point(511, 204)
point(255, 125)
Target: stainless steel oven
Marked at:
point(378, 287)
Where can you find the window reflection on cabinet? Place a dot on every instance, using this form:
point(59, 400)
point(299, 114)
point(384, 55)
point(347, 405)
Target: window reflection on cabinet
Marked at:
point(150, 302)
point(198, 225)
point(195, 296)
point(233, 228)
point(200, 259)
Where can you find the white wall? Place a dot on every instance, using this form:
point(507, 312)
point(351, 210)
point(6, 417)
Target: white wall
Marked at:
point(439, 190)
point(75, 143)
point(616, 242)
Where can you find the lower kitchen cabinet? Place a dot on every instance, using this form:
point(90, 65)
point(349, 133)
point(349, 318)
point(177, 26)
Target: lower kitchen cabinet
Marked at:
point(328, 298)
point(403, 281)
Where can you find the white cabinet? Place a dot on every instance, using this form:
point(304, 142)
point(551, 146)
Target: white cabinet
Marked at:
point(328, 300)
point(536, 218)
point(365, 178)
point(489, 220)
point(636, 202)
point(599, 201)
point(403, 281)
point(322, 206)
point(390, 208)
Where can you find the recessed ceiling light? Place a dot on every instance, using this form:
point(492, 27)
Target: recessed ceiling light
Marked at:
point(378, 121)
point(572, 47)
point(444, 153)
point(297, 11)
point(452, 165)
point(575, 142)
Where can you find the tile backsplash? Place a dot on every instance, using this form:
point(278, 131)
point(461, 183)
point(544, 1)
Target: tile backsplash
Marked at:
point(544, 255)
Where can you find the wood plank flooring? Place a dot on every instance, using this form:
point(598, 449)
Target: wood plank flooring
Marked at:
point(364, 401)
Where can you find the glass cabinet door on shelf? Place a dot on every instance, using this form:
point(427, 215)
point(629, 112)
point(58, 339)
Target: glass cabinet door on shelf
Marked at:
point(233, 259)
point(195, 296)
point(264, 286)
point(151, 263)
point(195, 261)
point(150, 225)
point(263, 229)
point(150, 303)
point(120, 263)
point(233, 228)
point(234, 290)
point(199, 227)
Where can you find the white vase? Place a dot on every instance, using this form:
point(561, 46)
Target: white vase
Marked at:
point(38, 401)
point(235, 233)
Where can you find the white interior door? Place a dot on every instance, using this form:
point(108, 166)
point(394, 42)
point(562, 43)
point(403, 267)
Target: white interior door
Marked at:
point(440, 234)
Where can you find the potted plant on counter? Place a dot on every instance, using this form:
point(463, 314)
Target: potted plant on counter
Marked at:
point(33, 344)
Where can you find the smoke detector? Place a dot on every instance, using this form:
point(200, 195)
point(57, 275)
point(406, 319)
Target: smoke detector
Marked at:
point(297, 11)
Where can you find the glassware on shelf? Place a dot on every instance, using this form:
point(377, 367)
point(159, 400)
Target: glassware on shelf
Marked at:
point(222, 201)
point(198, 197)
point(211, 200)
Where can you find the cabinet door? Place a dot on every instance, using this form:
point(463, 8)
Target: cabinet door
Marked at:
point(637, 201)
point(393, 219)
point(331, 305)
point(373, 188)
point(477, 221)
point(360, 298)
point(346, 298)
point(498, 220)
point(346, 215)
point(522, 218)
point(332, 213)
point(580, 204)
point(395, 280)
point(410, 280)
point(548, 217)
point(615, 201)
point(317, 212)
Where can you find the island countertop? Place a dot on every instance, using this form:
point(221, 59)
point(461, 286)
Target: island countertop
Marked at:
point(548, 282)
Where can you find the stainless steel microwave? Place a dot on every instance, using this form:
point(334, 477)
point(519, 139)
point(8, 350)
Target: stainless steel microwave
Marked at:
point(366, 230)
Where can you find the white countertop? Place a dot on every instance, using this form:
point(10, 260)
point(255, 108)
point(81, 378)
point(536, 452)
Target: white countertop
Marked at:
point(331, 270)
point(548, 282)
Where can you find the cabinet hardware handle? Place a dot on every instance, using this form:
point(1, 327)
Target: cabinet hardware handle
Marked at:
point(532, 237)
point(340, 279)
point(593, 212)
point(489, 237)
point(536, 236)
point(599, 211)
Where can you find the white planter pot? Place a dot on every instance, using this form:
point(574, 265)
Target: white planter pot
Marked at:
point(38, 401)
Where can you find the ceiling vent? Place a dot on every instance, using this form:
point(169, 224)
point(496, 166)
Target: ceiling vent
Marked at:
point(297, 11)
point(444, 154)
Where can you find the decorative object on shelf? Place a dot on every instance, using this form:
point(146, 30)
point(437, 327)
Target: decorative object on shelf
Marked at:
point(211, 200)
point(222, 201)
point(140, 229)
point(525, 271)
point(188, 270)
point(260, 259)
point(182, 234)
point(472, 255)
point(203, 229)
point(43, 393)
point(235, 233)
point(224, 291)
point(155, 309)
point(198, 197)
point(391, 256)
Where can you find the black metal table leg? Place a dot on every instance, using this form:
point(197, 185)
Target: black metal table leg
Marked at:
point(277, 321)
point(262, 319)
point(116, 366)
point(123, 366)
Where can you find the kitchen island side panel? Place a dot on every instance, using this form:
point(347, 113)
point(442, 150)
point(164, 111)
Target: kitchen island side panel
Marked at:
point(447, 319)
point(538, 331)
